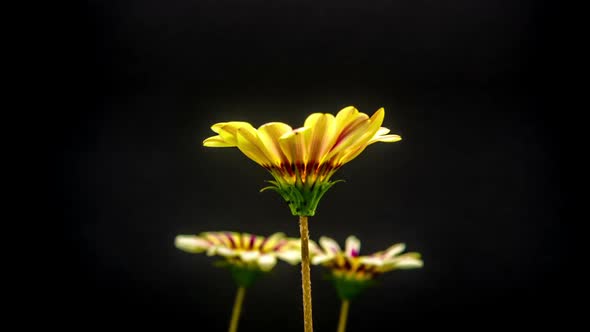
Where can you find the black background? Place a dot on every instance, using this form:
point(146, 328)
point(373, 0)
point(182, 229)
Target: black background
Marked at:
point(475, 185)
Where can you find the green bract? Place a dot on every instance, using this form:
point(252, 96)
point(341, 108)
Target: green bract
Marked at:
point(302, 200)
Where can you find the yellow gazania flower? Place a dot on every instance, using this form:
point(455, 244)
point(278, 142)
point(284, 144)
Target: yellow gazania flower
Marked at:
point(350, 265)
point(303, 160)
point(352, 273)
point(242, 249)
point(246, 255)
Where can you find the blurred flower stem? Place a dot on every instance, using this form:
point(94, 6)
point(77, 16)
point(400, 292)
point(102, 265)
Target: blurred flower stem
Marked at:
point(305, 274)
point(343, 315)
point(235, 315)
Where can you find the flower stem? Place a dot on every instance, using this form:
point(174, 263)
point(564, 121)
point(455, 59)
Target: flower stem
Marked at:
point(343, 315)
point(235, 315)
point(305, 275)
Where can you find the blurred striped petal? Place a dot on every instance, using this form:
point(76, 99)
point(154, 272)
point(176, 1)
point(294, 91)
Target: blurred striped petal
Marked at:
point(352, 246)
point(249, 256)
point(226, 252)
point(408, 262)
point(371, 260)
point(211, 251)
point(320, 259)
point(314, 249)
point(290, 256)
point(214, 238)
point(267, 262)
point(247, 241)
point(271, 242)
point(330, 246)
point(191, 243)
point(394, 250)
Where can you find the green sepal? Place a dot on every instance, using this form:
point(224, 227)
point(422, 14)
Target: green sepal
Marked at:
point(243, 276)
point(302, 200)
point(349, 288)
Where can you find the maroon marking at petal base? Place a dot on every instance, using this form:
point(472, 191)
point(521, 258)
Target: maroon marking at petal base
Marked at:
point(231, 240)
point(252, 238)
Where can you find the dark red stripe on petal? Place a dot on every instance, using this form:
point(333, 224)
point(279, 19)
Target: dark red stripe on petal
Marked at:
point(281, 243)
point(252, 239)
point(347, 266)
point(219, 236)
point(353, 125)
point(362, 268)
point(262, 244)
point(231, 240)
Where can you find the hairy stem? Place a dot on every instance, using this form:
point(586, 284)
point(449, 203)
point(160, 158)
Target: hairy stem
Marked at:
point(305, 274)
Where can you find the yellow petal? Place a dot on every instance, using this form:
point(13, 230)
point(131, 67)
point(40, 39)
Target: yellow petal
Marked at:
point(257, 242)
point(216, 142)
point(217, 126)
point(249, 144)
point(231, 126)
point(346, 116)
point(312, 119)
point(382, 131)
point(345, 141)
point(320, 259)
point(322, 136)
point(243, 240)
point(269, 135)
point(229, 130)
point(294, 145)
point(356, 128)
point(385, 139)
point(375, 125)
point(359, 141)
